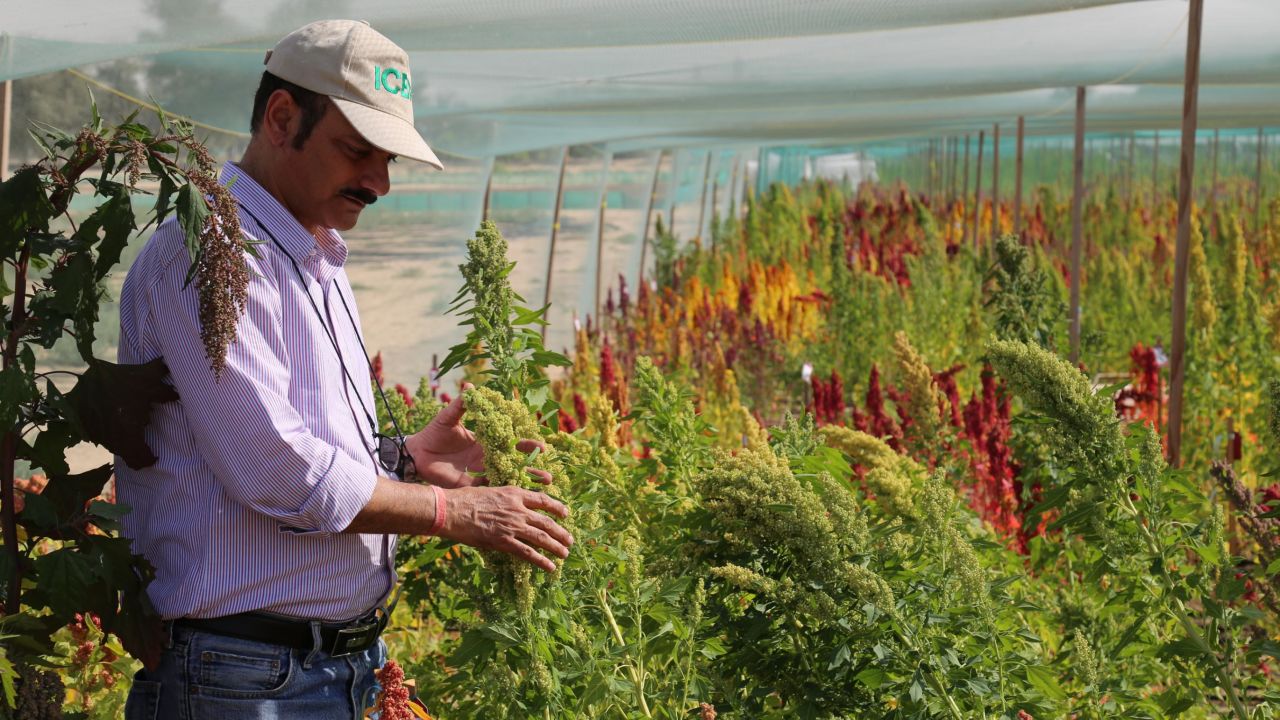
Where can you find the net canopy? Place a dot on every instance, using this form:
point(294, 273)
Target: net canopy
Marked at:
point(671, 105)
point(500, 77)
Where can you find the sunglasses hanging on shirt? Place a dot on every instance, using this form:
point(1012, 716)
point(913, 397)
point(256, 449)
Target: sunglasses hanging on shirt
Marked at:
point(390, 452)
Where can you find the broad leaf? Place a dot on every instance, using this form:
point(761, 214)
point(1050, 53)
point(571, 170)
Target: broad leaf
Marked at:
point(24, 208)
point(113, 403)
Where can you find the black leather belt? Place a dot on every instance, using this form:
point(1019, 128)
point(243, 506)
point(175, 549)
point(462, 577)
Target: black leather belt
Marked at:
point(337, 639)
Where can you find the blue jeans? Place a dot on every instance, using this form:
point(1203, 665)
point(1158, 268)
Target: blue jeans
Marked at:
point(203, 676)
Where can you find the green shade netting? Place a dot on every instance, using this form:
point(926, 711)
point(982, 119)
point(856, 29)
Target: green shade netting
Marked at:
point(494, 78)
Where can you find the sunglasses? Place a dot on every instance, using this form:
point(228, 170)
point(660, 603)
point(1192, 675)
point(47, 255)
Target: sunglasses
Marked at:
point(392, 455)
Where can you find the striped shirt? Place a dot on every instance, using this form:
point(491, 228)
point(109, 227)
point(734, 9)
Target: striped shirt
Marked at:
point(259, 471)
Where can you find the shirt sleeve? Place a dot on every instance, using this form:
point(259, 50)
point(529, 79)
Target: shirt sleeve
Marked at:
point(243, 423)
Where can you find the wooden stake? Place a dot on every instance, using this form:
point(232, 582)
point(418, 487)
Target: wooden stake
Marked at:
point(702, 206)
point(488, 189)
point(604, 203)
point(1213, 185)
point(1155, 173)
point(1017, 182)
point(1077, 227)
point(675, 190)
point(955, 167)
point(995, 183)
point(6, 103)
point(1257, 187)
point(648, 217)
point(1130, 174)
point(1186, 179)
point(555, 230)
point(977, 189)
point(964, 225)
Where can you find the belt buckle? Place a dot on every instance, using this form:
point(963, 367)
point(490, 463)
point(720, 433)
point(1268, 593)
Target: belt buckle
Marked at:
point(354, 638)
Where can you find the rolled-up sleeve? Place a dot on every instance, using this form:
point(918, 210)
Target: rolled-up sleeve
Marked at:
point(244, 425)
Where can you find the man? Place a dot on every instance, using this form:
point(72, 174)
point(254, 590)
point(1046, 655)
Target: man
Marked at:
point(270, 514)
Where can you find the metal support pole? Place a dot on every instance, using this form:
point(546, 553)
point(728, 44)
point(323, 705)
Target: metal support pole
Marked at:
point(977, 189)
point(995, 182)
point(6, 105)
point(1186, 178)
point(555, 230)
point(648, 217)
point(1077, 227)
point(1017, 182)
point(702, 205)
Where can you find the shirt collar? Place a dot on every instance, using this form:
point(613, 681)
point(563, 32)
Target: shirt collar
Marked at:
point(323, 259)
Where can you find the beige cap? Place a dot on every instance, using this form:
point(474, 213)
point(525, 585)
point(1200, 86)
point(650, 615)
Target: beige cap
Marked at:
point(365, 74)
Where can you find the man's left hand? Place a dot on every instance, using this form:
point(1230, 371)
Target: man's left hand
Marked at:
point(446, 454)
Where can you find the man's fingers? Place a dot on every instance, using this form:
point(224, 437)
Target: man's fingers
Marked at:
point(541, 501)
point(541, 476)
point(528, 446)
point(452, 413)
point(527, 553)
point(550, 527)
point(542, 540)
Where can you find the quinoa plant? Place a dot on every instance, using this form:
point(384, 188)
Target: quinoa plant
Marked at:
point(1147, 535)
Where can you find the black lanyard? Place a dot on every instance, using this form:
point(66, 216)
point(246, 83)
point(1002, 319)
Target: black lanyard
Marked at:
point(331, 333)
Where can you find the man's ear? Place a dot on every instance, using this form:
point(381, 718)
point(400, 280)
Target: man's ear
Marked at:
point(281, 118)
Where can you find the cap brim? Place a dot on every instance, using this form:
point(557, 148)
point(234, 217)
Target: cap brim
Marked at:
point(388, 132)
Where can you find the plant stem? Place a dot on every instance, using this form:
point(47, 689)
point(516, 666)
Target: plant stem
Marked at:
point(1180, 613)
point(9, 445)
point(636, 679)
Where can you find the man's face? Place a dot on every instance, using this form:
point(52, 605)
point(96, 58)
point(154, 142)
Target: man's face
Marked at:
point(334, 175)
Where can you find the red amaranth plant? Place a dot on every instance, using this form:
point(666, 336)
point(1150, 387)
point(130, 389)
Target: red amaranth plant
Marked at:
point(1144, 398)
point(393, 700)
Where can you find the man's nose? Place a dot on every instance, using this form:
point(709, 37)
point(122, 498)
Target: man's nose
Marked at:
point(376, 177)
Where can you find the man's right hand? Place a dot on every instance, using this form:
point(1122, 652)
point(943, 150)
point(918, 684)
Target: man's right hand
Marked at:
point(507, 519)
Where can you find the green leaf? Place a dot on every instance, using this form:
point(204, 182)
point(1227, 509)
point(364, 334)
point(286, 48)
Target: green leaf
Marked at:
point(839, 658)
point(137, 624)
point(112, 404)
point(1185, 647)
point(7, 674)
point(872, 678)
point(16, 391)
point(66, 576)
point(193, 215)
point(108, 510)
point(24, 209)
point(69, 493)
point(38, 516)
point(1043, 679)
point(115, 218)
point(49, 452)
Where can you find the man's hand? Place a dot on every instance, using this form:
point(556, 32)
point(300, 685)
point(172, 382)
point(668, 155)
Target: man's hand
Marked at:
point(446, 454)
point(507, 519)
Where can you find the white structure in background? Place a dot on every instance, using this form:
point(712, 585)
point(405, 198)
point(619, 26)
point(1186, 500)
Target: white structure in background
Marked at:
point(855, 166)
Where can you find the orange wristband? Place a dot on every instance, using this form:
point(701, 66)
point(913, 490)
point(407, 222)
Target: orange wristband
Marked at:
point(440, 511)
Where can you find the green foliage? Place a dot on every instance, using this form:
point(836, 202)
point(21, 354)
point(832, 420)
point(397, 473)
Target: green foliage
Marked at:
point(1140, 523)
point(1021, 302)
point(504, 335)
point(61, 555)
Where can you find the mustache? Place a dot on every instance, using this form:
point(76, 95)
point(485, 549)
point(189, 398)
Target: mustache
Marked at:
point(364, 196)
